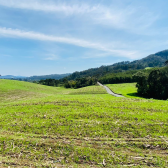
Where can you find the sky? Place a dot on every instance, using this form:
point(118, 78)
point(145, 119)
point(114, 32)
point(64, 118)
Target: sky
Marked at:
point(39, 37)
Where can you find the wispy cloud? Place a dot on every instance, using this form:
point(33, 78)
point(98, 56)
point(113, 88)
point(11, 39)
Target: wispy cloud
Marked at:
point(51, 57)
point(47, 7)
point(96, 55)
point(5, 55)
point(15, 33)
point(127, 17)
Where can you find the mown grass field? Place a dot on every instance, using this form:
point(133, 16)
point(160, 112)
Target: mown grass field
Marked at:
point(45, 126)
point(126, 89)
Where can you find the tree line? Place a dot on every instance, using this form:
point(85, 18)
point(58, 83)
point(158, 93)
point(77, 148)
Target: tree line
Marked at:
point(154, 84)
point(78, 83)
point(153, 60)
point(111, 78)
point(49, 82)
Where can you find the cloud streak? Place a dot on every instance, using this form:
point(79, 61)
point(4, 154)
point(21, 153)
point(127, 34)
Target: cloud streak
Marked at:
point(47, 7)
point(127, 17)
point(16, 33)
point(51, 57)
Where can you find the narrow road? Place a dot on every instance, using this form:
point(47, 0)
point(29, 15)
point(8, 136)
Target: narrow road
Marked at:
point(109, 91)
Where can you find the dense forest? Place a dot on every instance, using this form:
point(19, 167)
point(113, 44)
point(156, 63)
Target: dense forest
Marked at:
point(154, 84)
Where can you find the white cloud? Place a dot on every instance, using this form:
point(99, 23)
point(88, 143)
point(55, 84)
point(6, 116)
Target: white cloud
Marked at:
point(15, 33)
point(131, 18)
point(47, 7)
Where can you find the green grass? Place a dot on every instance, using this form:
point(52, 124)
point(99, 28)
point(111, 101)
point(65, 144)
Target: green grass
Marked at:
point(126, 89)
point(148, 68)
point(45, 126)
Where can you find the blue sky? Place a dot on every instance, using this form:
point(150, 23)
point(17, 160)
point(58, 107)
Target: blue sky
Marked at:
point(39, 37)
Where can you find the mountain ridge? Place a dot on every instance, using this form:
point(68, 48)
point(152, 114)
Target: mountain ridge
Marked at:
point(11, 77)
point(153, 60)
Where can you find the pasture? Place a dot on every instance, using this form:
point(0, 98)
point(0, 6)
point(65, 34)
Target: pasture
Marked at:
point(44, 126)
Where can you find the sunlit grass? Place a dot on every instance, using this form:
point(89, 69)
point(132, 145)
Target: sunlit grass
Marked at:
point(126, 89)
point(50, 127)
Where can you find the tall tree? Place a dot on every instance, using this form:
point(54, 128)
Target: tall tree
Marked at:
point(166, 63)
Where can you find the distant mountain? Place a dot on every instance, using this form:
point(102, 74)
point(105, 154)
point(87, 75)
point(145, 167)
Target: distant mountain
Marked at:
point(153, 60)
point(12, 77)
point(53, 76)
point(35, 78)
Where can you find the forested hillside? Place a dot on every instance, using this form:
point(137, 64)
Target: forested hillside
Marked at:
point(121, 72)
point(154, 60)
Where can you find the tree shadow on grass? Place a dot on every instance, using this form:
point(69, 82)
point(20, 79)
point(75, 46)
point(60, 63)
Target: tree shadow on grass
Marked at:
point(138, 96)
point(135, 94)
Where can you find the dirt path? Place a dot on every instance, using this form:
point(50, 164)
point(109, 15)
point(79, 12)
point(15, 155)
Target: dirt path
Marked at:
point(110, 91)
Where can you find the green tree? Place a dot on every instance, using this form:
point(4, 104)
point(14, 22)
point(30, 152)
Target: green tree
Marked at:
point(166, 63)
point(155, 84)
point(142, 83)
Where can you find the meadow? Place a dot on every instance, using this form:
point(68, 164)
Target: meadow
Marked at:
point(44, 126)
point(126, 89)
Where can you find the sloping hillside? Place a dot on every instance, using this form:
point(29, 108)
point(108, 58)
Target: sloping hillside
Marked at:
point(154, 60)
point(13, 90)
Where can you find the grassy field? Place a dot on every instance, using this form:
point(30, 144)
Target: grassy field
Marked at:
point(45, 126)
point(126, 89)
